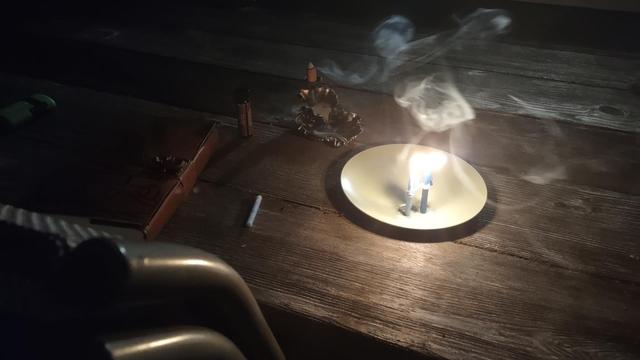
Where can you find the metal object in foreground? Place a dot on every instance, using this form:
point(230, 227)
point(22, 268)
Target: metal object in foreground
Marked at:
point(129, 273)
point(187, 342)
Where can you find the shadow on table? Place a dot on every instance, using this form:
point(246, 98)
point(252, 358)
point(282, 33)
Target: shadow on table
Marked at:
point(342, 204)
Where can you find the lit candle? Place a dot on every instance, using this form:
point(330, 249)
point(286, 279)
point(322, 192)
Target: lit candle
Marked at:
point(428, 181)
point(376, 183)
point(415, 164)
point(424, 164)
point(408, 197)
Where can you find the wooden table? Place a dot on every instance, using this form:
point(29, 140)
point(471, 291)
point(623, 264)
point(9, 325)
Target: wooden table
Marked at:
point(549, 269)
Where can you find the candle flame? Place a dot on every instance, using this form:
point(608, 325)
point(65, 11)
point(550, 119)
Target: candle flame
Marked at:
point(423, 162)
point(416, 168)
point(436, 160)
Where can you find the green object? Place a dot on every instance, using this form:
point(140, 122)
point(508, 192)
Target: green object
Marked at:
point(25, 110)
point(44, 99)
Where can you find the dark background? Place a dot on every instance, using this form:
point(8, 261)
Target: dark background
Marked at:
point(534, 23)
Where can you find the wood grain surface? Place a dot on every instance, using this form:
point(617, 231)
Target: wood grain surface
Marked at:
point(582, 66)
point(439, 298)
point(569, 226)
point(543, 98)
point(523, 145)
point(548, 269)
point(435, 294)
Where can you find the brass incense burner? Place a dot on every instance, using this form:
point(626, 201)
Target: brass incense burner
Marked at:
point(322, 118)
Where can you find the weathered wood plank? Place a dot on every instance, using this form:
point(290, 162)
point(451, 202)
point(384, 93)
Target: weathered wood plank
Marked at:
point(451, 300)
point(305, 338)
point(619, 71)
point(455, 301)
point(522, 146)
point(582, 229)
point(609, 108)
point(561, 224)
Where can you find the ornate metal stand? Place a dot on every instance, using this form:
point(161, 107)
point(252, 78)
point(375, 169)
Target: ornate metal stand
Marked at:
point(322, 118)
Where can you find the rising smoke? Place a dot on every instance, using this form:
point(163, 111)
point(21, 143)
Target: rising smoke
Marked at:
point(550, 168)
point(398, 54)
point(433, 100)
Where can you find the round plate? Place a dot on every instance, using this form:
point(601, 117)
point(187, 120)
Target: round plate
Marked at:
point(375, 181)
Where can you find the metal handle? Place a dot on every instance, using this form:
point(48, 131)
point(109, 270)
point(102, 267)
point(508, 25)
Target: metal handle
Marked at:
point(194, 343)
point(139, 271)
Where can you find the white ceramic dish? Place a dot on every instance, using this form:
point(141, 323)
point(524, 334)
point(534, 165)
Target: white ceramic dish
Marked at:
point(375, 181)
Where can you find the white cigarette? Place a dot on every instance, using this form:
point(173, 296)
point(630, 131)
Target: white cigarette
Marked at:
point(254, 211)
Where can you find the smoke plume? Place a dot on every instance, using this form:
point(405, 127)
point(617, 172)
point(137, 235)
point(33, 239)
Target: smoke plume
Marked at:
point(398, 54)
point(433, 100)
point(435, 104)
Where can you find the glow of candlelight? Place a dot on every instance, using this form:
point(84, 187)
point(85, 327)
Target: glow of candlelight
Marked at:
point(412, 187)
point(421, 169)
point(422, 163)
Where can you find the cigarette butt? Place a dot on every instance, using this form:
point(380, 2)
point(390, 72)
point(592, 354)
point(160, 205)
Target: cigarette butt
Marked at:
point(312, 73)
point(254, 211)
